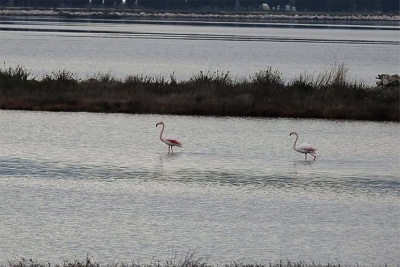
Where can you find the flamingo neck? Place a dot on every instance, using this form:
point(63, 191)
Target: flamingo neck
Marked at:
point(294, 145)
point(162, 130)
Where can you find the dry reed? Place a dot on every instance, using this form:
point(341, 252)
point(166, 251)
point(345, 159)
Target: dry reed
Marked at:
point(188, 260)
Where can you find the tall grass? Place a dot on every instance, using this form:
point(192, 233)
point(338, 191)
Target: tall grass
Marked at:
point(329, 94)
point(190, 260)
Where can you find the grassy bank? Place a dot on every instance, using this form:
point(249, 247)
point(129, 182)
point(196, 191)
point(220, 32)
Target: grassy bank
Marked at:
point(327, 95)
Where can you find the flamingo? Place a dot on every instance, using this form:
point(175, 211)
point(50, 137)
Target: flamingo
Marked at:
point(169, 141)
point(304, 148)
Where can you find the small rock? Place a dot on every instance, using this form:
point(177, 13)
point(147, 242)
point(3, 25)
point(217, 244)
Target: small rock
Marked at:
point(387, 80)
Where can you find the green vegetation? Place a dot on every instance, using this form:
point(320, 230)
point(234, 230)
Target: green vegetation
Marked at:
point(328, 95)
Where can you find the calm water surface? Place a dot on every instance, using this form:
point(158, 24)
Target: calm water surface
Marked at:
point(90, 47)
point(77, 184)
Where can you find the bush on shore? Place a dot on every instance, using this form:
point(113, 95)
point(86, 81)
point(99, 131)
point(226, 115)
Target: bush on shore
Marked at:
point(329, 95)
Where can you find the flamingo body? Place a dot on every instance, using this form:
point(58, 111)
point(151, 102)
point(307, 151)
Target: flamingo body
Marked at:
point(304, 148)
point(169, 141)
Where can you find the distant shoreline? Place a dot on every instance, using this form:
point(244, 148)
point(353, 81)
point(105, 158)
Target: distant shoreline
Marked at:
point(242, 16)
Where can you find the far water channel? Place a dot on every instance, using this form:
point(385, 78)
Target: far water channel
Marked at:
point(74, 185)
point(93, 48)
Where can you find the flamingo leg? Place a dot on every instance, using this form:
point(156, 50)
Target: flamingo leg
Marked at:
point(313, 156)
point(172, 151)
point(305, 154)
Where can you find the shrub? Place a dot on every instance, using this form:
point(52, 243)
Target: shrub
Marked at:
point(217, 78)
point(12, 77)
point(267, 77)
point(103, 77)
point(145, 80)
point(61, 77)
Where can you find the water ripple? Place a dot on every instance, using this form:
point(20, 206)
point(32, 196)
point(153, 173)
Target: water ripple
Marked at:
point(15, 167)
point(199, 37)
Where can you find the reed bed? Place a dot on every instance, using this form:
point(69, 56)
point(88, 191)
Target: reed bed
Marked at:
point(327, 95)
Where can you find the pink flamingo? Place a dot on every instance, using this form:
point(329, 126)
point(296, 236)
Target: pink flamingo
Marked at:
point(169, 141)
point(304, 148)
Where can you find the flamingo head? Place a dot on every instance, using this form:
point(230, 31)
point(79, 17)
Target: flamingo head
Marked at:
point(293, 133)
point(159, 123)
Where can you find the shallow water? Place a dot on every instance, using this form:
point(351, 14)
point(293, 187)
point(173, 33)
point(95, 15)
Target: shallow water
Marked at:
point(104, 185)
point(162, 48)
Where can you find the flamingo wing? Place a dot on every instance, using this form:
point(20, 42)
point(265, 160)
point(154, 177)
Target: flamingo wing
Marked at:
point(172, 142)
point(307, 148)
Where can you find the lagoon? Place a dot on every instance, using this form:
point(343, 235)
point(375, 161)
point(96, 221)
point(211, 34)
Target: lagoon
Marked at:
point(104, 185)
